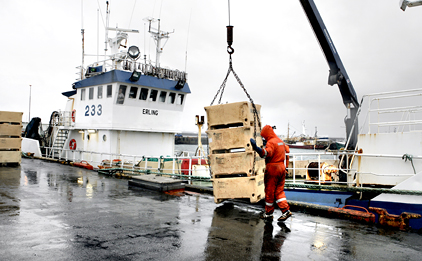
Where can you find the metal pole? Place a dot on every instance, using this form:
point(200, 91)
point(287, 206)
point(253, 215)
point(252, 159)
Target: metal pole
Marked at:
point(319, 169)
point(30, 87)
point(294, 168)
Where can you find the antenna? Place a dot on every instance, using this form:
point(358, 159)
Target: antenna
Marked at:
point(83, 39)
point(157, 34)
point(98, 34)
point(106, 30)
point(187, 39)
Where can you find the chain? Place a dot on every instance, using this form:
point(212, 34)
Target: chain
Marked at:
point(255, 111)
point(223, 85)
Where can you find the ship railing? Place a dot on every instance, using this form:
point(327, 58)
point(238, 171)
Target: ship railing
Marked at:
point(297, 170)
point(388, 112)
point(299, 167)
point(130, 163)
point(66, 118)
point(143, 67)
point(63, 118)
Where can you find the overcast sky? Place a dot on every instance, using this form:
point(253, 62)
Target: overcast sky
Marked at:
point(276, 54)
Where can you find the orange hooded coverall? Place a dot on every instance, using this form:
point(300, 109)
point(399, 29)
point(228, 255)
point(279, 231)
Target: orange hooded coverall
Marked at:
point(275, 173)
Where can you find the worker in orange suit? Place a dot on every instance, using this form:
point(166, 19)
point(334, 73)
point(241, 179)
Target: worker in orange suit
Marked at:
point(274, 153)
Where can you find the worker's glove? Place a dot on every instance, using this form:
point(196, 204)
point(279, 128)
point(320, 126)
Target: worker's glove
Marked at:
point(255, 147)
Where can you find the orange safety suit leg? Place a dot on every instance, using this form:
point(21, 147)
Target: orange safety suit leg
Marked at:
point(275, 176)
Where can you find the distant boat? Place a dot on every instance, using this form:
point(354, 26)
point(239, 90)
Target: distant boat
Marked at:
point(306, 142)
point(301, 145)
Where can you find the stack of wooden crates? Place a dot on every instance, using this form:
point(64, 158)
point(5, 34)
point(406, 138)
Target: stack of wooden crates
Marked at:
point(10, 137)
point(231, 156)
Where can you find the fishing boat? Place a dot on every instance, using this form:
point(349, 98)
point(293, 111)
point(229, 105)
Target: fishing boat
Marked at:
point(123, 104)
point(304, 141)
point(308, 144)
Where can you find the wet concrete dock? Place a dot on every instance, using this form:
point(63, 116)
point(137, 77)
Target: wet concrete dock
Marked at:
point(50, 211)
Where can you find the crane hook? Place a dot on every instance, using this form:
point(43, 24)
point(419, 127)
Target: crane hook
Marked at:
point(230, 49)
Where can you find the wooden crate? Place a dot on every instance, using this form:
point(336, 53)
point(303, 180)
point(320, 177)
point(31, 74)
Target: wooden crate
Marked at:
point(240, 163)
point(10, 143)
point(9, 156)
point(14, 130)
point(10, 137)
point(224, 140)
point(231, 157)
point(242, 187)
point(239, 114)
point(230, 127)
point(11, 117)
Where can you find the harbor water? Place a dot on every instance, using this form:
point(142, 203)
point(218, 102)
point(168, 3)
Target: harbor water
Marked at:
point(50, 211)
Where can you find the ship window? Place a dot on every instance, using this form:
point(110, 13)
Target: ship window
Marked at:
point(91, 93)
point(153, 95)
point(121, 95)
point(100, 92)
point(144, 94)
point(180, 99)
point(109, 91)
point(82, 94)
point(172, 97)
point(163, 95)
point(133, 92)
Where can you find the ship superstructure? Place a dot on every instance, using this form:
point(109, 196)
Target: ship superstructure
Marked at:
point(123, 104)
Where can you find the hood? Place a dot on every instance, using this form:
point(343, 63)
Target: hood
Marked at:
point(268, 133)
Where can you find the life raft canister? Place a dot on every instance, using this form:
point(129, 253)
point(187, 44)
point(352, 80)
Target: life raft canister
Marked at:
point(73, 115)
point(72, 144)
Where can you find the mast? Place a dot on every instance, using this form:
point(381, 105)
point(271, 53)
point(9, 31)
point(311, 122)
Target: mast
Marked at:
point(288, 130)
point(83, 40)
point(106, 32)
point(157, 34)
point(83, 53)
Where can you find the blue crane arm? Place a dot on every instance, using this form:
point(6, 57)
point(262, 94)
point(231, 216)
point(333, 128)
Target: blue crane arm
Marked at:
point(338, 74)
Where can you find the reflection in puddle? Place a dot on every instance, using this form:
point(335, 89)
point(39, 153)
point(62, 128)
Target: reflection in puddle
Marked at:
point(9, 196)
point(234, 234)
point(89, 190)
point(30, 177)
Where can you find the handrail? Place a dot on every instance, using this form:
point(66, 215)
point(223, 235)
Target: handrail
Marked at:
point(398, 109)
point(144, 67)
point(132, 161)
